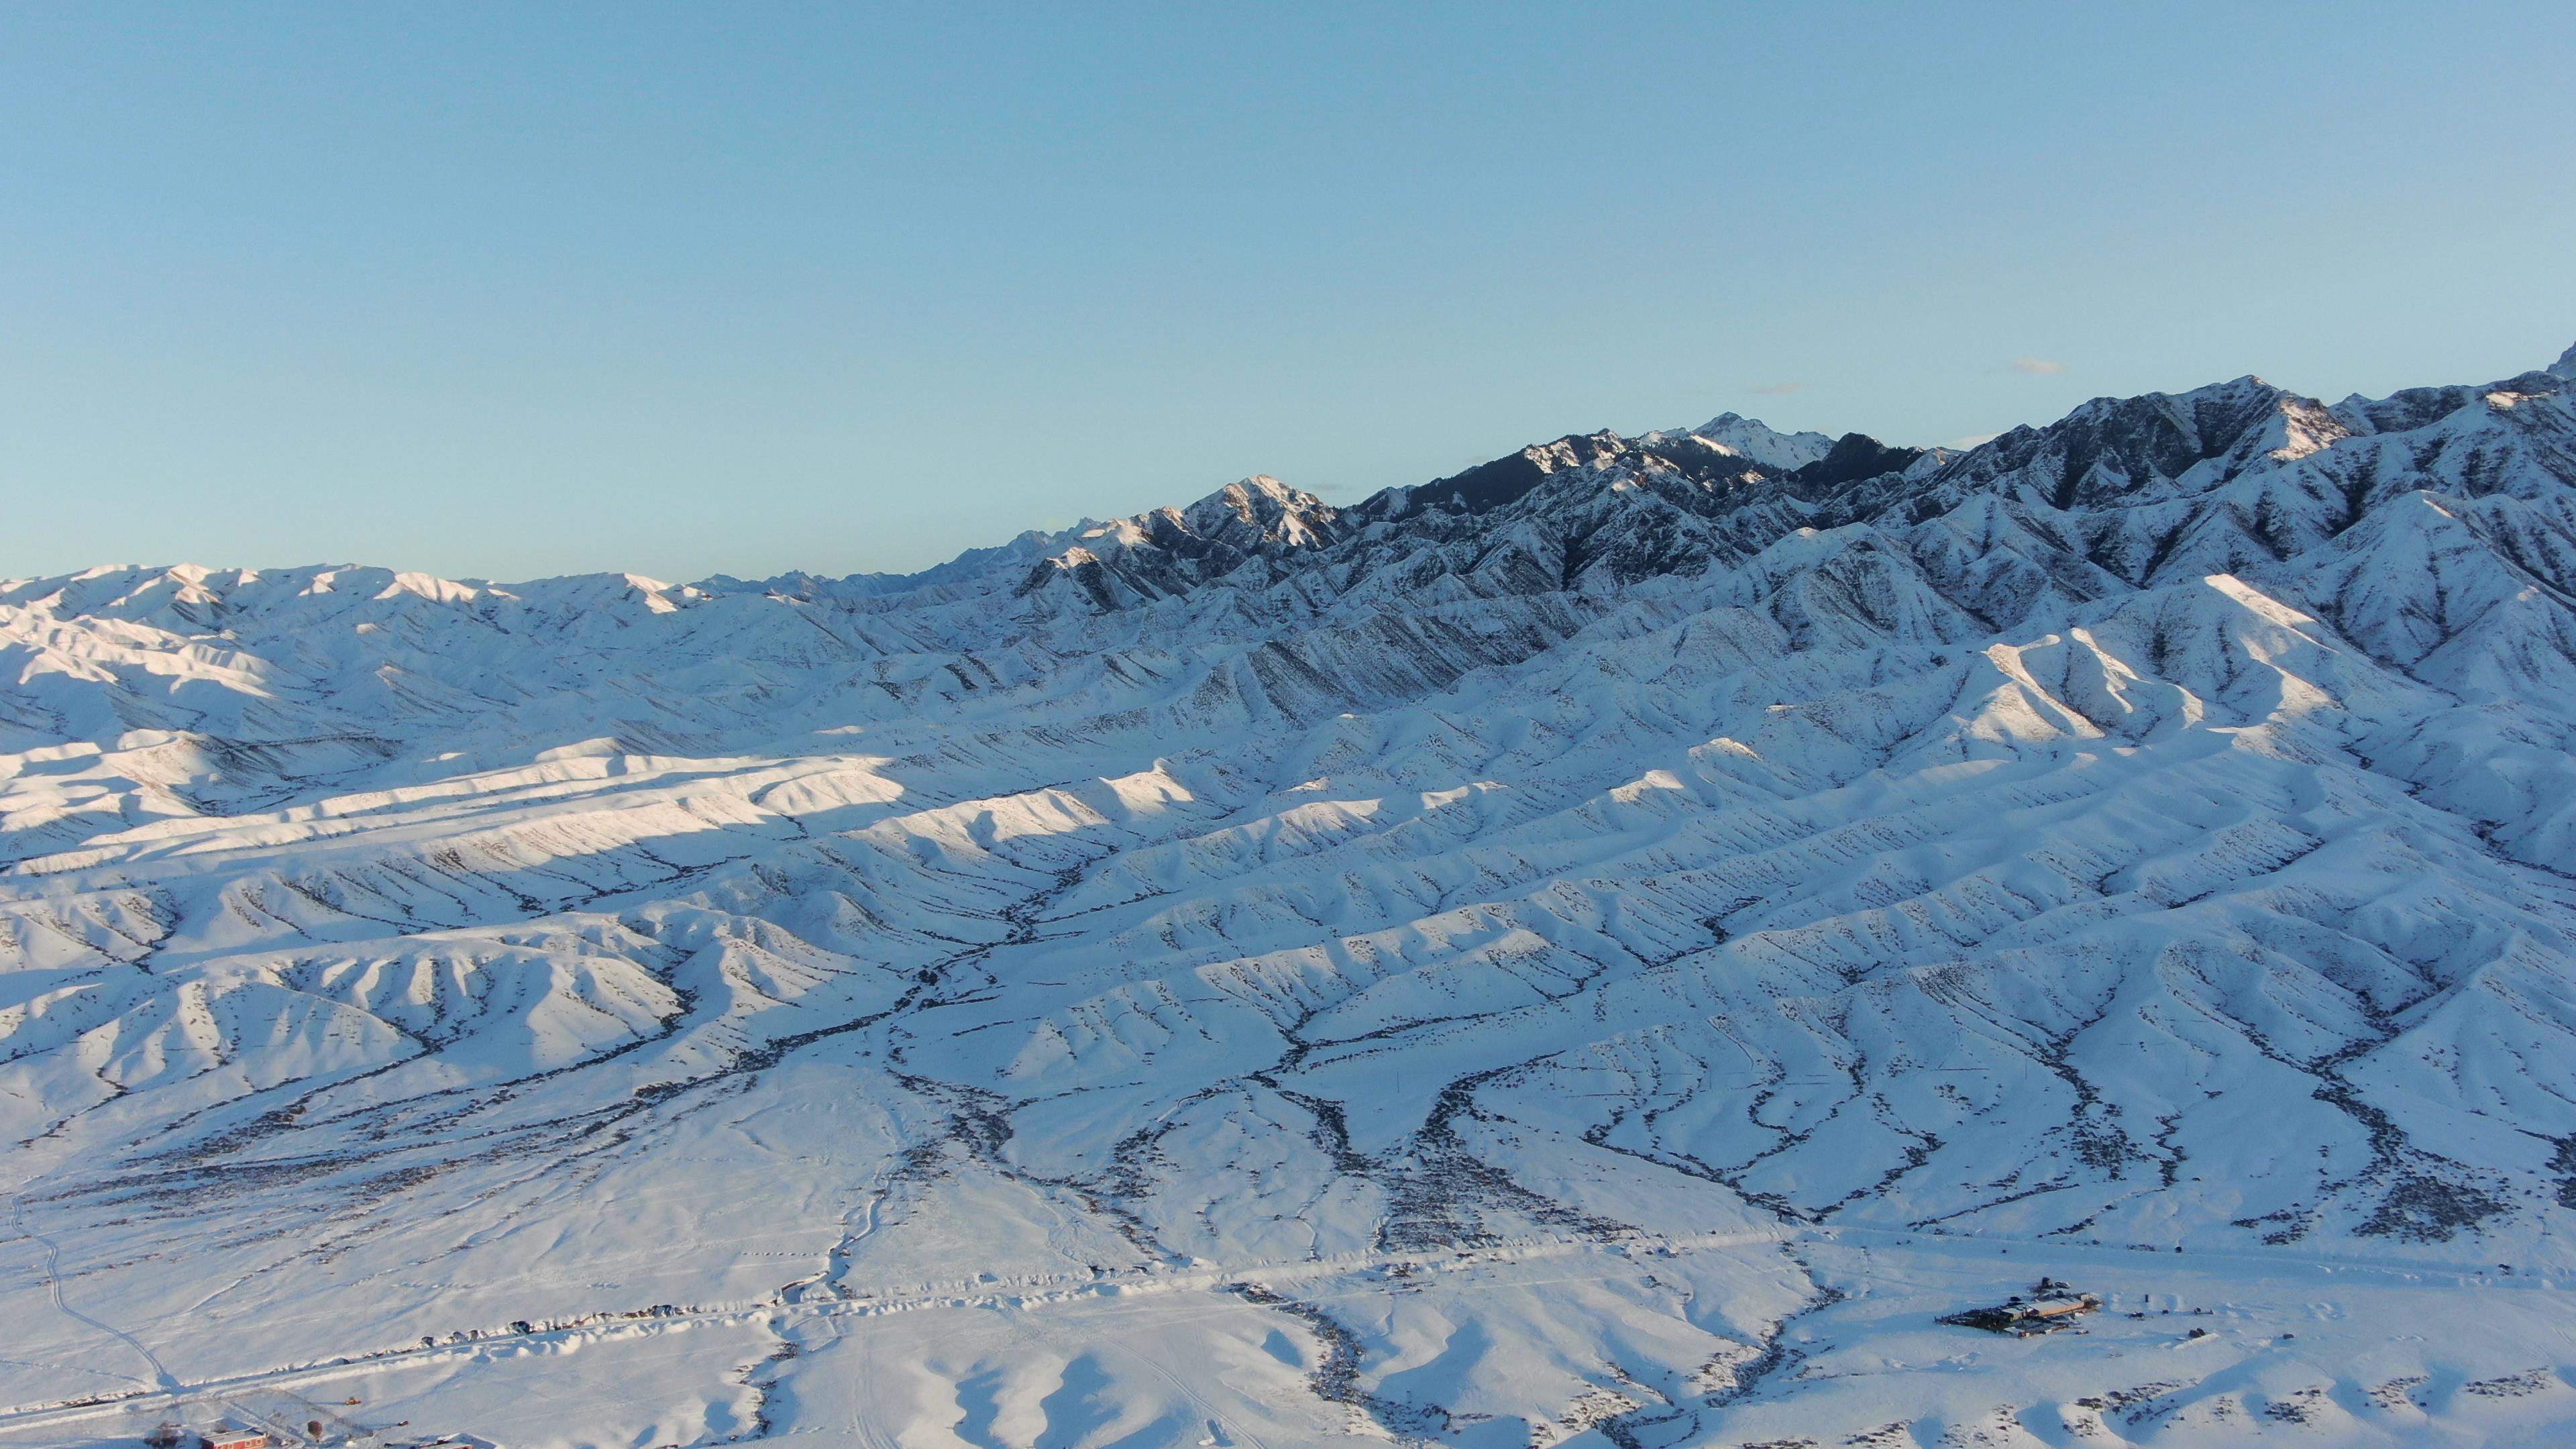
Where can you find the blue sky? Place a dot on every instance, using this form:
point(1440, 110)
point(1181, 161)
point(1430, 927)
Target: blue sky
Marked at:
point(515, 290)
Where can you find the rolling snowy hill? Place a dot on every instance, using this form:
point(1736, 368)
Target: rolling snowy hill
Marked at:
point(1603, 948)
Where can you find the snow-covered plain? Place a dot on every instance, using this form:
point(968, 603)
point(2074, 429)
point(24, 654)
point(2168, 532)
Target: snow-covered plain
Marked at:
point(1605, 948)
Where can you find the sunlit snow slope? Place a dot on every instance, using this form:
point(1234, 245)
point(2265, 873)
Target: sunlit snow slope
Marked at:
point(1605, 947)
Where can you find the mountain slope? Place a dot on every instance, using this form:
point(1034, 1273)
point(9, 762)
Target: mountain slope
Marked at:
point(1601, 947)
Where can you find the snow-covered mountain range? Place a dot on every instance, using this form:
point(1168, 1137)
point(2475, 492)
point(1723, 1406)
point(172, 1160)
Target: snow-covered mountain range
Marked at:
point(1605, 947)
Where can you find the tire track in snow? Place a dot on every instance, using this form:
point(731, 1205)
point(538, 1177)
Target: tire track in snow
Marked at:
point(162, 1377)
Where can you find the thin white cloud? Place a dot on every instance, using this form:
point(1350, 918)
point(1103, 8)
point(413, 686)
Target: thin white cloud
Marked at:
point(1971, 441)
point(2039, 366)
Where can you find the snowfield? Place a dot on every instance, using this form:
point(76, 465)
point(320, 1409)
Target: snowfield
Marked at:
point(1605, 949)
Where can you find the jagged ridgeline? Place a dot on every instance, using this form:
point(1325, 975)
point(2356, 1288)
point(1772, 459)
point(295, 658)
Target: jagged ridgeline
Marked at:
point(1484, 950)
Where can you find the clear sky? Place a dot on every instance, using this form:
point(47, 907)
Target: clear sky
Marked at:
point(515, 289)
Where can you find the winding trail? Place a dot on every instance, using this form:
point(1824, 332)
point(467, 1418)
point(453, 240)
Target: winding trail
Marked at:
point(161, 1378)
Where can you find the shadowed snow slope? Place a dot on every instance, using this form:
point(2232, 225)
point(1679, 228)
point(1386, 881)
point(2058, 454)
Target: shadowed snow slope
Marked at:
point(1604, 947)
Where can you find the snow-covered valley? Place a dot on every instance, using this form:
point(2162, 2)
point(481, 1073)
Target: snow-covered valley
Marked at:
point(1606, 948)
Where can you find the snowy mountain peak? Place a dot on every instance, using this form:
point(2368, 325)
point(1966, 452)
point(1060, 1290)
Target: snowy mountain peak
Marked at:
point(1169, 551)
point(1761, 443)
point(2565, 367)
point(1275, 512)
